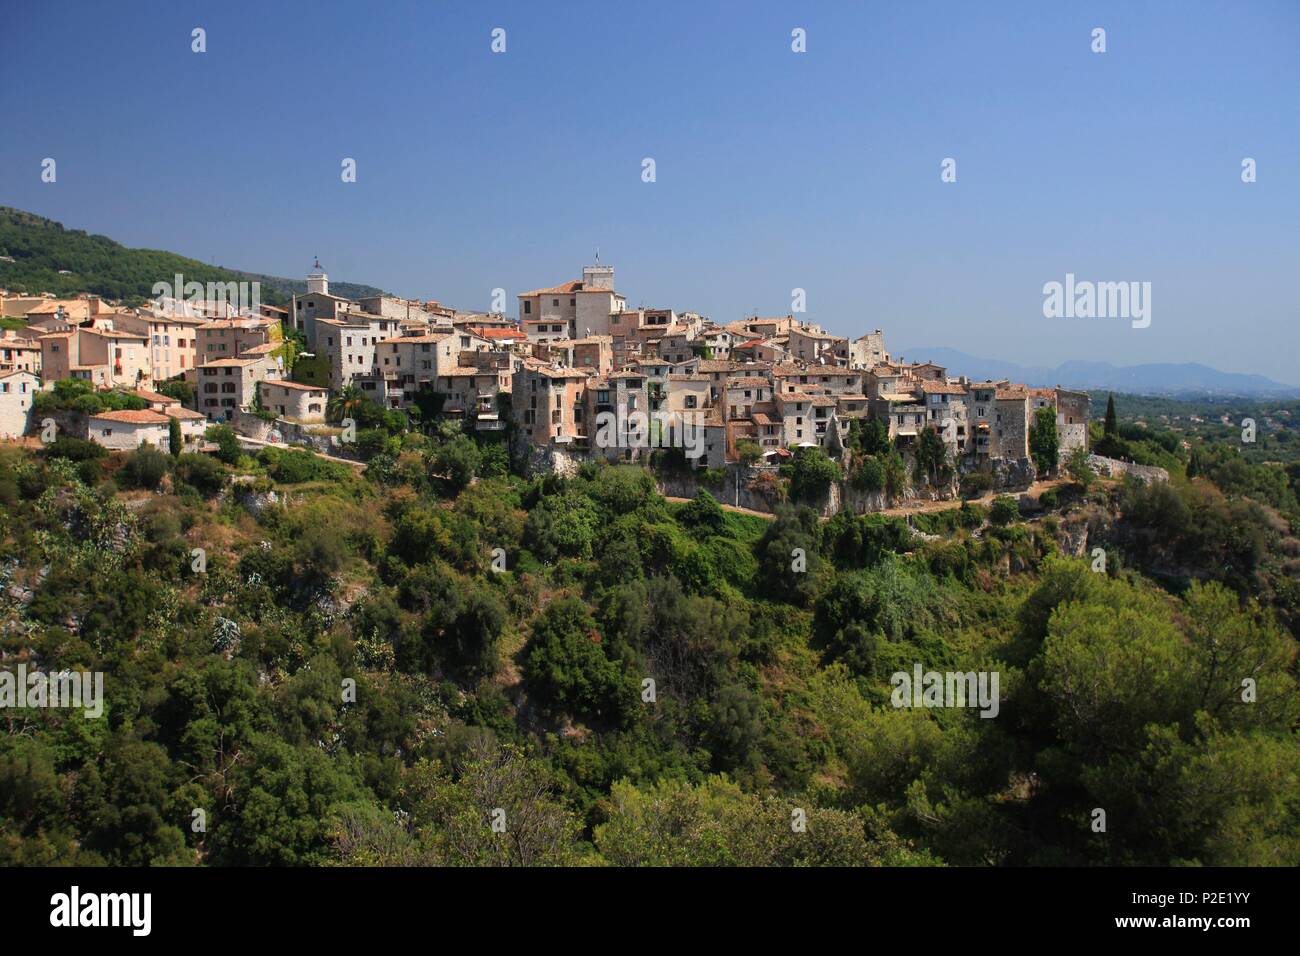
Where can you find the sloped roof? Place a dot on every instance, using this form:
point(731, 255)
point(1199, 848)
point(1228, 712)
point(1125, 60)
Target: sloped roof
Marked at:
point(133, 417)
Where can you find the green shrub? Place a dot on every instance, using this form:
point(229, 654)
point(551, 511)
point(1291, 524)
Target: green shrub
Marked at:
point(868, 474)
point(291, 466)
point(713, 477)
point(145, 468)
point(75, 449)
point(702, 515)
point(201, 472)
point(810, 473)
point(227, 442)
point(975, 484)
point(971, 515)
point(1004, 510)
point(748, 452)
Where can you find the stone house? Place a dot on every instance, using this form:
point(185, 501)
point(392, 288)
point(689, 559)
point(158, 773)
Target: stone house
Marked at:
point(128, 430)
point(548, 404)
point(1010, 425)
point(172, 341)
point(740, 395)
point(233, 338)
point(759, 350)
point(225, 385)
point(298, 402)
point(687, 395)
point(867, 351)
point(104, 357)
point(156, 401)
point(193, 425)
point(595, 352)
point(945, 404)
point(583, 306)
point(795, 411)
point(18, 353)
point(810, 344)
point(18, 388)
point(472, 392)
point(1072, 410)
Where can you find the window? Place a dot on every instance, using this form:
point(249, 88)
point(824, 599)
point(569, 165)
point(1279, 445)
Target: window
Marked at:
point(528, 307)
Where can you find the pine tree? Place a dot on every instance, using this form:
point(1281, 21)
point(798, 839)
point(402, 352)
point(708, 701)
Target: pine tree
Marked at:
point(1111, 425)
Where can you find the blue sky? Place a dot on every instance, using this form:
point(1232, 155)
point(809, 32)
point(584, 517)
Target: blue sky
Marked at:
point(775, 170)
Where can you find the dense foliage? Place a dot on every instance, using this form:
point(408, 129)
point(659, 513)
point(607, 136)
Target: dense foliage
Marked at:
point(42, 249)
point(389, 667)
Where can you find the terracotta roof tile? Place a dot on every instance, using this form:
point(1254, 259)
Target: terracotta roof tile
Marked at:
point(133, 417)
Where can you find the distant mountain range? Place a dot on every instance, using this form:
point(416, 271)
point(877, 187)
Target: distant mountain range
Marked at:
point(1161, 378)
point(42, 250)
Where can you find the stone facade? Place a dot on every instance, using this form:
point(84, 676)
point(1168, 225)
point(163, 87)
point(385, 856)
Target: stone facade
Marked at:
point(17, 391)
point(226, 385)
point(128, 430)
point(293, 400)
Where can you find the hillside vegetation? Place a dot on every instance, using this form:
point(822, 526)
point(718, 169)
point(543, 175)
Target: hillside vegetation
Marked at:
point(379, 669)
point(42, 247)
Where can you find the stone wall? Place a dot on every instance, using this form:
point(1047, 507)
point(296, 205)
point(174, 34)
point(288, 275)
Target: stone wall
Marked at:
point(540, 459)
point(1114, 468)
point(1012, 473)
point(70, 424)
point(1072, 437)
point(748, 492)
point(281, 432)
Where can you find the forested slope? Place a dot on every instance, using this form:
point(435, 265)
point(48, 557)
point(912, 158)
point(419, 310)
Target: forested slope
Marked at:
point(348, 680)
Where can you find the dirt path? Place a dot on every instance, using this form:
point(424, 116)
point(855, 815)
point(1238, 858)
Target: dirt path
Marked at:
point(918, 507)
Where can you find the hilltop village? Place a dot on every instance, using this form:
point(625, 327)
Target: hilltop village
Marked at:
point(577, 375)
